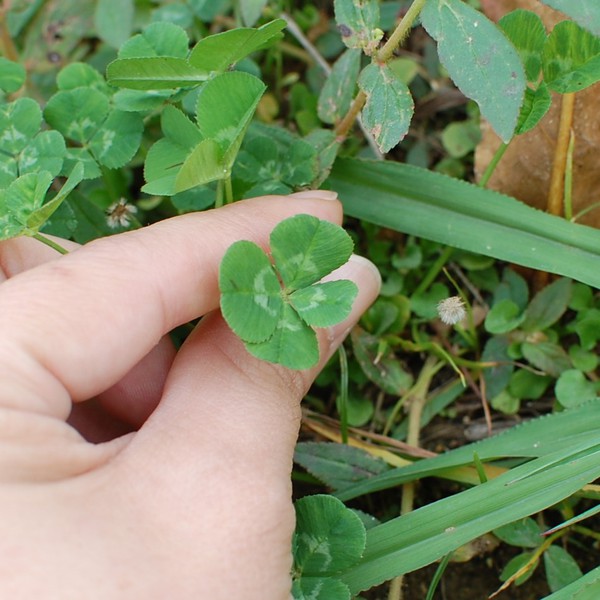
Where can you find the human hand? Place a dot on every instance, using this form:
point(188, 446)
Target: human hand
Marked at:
point(188, 494)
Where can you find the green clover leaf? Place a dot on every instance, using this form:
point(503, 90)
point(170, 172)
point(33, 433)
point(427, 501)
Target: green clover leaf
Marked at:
point(274, 322)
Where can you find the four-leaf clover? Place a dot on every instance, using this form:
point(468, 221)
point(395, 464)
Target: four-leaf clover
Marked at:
point(274, 307)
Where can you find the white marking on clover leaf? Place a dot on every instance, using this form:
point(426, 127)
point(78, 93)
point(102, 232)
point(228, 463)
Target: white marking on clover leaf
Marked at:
point(108, 137)
point(29, 158)
point(262, 295)
point(12, 134)
point(318, 546)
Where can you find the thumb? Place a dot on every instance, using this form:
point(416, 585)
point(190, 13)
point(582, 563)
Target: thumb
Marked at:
point(219, 396)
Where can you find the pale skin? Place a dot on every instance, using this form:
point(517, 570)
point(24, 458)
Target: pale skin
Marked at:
point(184, 490)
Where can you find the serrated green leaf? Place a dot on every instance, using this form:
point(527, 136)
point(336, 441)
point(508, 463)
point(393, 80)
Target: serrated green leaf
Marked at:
point(561, 568)
point(305, 249)
point(79, 74)
point(75, 156)
point(328, 537)
point(293, 343)
point(389, 106)
point(299, 166)
point(24, 148)
point(118, 139)
point(571, 58)
point(584, 12)
point(481, 61)
point(19, 200)
point(140, 101)
point(258, 160)
point(19, 122)
point(203, 165)
point(548, 305)
point(251, 300)
point(535, 105)
point(358, 23)
point(113, 20)
point(12, 75)
point(154, 73)
point(337, 465)
point(165, 157)
point(337, 92)
point(157, 39)
point(527, 33)
point(77, 113)
point(325, 304)
point(39, 216)
point(225, 108)
point(219, 52)
point(46, 152)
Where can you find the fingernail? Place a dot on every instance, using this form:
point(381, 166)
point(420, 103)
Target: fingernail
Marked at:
point(315, 194)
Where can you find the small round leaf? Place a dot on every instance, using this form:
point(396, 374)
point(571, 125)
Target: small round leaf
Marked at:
point(251, 300)
point(306, 249)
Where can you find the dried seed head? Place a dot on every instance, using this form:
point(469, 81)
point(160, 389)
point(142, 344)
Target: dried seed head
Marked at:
point(452, 310)
point(120, 213)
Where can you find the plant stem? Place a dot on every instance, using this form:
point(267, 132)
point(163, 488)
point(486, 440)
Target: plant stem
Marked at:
point(568, 194)
point(219, 195)
point(228, 190)
point(46, 240)
point(434, 270)
point(318, 58)
point(394, 41)
point(401, 32)
point(7, 44)
point(418, 399)
point(557, 181)
point(489, 170)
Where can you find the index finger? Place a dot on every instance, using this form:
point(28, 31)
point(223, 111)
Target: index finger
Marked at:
point(73, 327)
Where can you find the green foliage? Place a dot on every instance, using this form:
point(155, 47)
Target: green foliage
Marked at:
point(338, 91)
point(571, 58)
point(389, 105)
point(479, 59)
point(329, 538)
point(275, 324)
point(584, 12)
point(358, 23)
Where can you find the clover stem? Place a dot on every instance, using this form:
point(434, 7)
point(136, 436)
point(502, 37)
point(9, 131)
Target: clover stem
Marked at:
point(46, 240)
point(489, 170)
point(228, 190)
point(219, 195)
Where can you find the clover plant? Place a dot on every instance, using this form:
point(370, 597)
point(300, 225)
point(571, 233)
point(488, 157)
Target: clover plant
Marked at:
point(274, 322)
